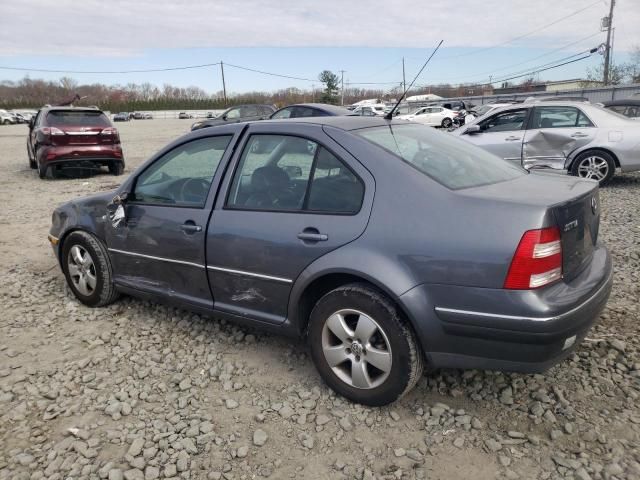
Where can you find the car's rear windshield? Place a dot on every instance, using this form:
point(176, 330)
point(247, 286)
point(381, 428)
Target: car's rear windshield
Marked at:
point(450, 161)
point(59, 118)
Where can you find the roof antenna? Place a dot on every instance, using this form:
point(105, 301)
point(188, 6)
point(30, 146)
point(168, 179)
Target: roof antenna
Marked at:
point(389, 116)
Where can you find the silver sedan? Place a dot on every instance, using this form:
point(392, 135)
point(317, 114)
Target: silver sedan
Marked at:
point(575, 137)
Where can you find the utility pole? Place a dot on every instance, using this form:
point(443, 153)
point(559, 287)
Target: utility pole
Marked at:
point(313, 92)
point(607, 53)
point(342, 87)
point(404, 83)
point(224, 86)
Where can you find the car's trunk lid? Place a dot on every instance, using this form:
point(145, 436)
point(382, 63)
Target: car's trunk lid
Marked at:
point(570, 203)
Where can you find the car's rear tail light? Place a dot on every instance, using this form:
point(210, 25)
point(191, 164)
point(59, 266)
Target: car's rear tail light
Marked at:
point(51, 131)
point(537, 261)
point(111, 133)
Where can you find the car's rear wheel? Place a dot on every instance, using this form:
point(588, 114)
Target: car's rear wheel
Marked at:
point(362, 346)
point(87, 268)
point(116, 168)
point(595, 165)
point(446, 123)
point(43, 170)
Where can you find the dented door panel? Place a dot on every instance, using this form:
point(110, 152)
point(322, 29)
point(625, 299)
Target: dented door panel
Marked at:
point(551, 147)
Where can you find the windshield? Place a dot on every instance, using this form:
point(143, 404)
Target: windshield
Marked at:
point(482, 110)
point(450, 161)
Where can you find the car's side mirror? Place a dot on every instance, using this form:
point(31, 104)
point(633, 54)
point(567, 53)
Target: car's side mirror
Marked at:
point(115, 210)
point(471, 129)
point(32, 121)
point(224, 117)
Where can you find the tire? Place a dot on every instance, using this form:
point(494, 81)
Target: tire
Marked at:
point(6, 122)
point(32, 162)
point(594, 164)
point(87, 268)
point(42, 170)
point(397, 352)
point(116, 168)
point(446, 122)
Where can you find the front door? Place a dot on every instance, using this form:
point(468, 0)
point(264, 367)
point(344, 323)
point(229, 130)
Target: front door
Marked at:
point(502, 134)
point(554, 132)
point(160, 248)
point(286, 206)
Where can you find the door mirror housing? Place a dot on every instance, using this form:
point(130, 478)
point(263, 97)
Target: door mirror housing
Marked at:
point(224, 117)
point(472, 129)
point(32, 121)
point(116, 212)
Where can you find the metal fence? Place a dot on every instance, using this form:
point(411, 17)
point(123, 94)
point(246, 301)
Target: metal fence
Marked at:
point(594, 95)
point(165, 114)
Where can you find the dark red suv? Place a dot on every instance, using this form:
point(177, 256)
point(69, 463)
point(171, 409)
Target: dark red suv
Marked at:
point(72, 137)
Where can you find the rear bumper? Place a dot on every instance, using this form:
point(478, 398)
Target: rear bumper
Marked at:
point(526, 331)
point(52, 155)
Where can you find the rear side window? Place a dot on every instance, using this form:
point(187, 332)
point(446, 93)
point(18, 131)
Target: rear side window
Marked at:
point(450, 161)
point(559, 117)
point(287, 173)
point(61, 118)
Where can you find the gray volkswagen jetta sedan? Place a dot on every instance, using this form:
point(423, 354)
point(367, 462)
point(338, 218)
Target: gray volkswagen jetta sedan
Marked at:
point(387, 245)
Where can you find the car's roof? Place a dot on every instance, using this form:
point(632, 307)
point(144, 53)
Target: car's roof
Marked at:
point(626, 101)
point(321, 106)
point(353, 122)
point(78, 109)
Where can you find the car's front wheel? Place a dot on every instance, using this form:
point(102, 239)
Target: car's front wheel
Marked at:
point(362, 346)
point(87, 268)
point(595, 165)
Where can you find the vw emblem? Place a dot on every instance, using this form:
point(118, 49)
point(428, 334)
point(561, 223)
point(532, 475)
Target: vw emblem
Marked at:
point(594, 205)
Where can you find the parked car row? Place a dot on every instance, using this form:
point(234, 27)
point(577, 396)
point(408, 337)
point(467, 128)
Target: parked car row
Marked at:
point(12, 117)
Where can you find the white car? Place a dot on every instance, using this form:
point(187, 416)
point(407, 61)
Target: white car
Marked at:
point(7, 118)
point(434, 116)
point(369, 110)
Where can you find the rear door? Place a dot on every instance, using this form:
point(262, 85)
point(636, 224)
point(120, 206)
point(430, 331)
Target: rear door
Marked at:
point(554, 132)
point(160, 248)
point(502, 134)
point(283, 208)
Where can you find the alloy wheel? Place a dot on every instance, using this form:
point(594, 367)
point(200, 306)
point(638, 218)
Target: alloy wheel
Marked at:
point(593, 167)
point(82, 270)
point(356, 349)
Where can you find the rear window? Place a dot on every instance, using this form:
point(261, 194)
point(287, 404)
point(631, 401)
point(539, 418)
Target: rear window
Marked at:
point(60, 118)
point(450, 161)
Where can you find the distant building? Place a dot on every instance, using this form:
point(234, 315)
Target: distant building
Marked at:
point(559, 85)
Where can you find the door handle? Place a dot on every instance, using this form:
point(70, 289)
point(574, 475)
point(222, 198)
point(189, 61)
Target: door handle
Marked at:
point(190, 227)
point(312, 235)
point(579, 135)
point(513, 139)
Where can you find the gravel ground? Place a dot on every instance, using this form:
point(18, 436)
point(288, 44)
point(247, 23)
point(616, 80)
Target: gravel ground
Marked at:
point(142, 391)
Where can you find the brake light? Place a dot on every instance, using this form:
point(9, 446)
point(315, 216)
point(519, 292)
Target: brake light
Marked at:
point(51, 131)
point(537, 261)
point(111, 132)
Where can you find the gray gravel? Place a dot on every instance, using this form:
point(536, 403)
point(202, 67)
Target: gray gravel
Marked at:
point(142, 391)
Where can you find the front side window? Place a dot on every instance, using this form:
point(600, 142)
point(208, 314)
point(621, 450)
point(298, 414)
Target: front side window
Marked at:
point(250, 111)
point(559, 117)
point(505, 121)
point(450, 161)
point(233, 113)
point(182, 176)
point(287, 173)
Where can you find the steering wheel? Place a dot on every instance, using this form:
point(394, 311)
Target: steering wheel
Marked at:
point(199, 189)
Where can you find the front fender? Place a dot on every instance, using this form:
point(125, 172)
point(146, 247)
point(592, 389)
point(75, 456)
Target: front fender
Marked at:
point(88, 214)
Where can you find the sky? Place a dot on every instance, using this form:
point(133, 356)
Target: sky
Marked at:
point(365, 38)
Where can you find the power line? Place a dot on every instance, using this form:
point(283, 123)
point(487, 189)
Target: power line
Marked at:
point(271, 73)
point(519, 37)
point(480, 74)
point(43, 70)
